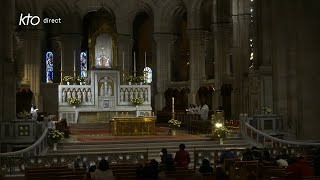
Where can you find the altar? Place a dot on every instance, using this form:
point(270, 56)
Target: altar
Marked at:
point(103, 95)
point(134, 125)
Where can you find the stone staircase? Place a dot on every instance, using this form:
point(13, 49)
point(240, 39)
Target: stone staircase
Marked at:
point(152, 146)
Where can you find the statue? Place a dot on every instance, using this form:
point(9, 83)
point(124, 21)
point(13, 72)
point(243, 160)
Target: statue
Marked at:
point(141, 95)
point(63, 95)
point(79, 94)
point(136, 93)
point(126, 95)
point(109, 89)
point(204, 112)
point(131, 95)
point(108, 62)
point(146, 95)
point(102, 90)
point(68, 94)
point(74, 93)
point(121, 95)
point(89, 96)
point(84, 95)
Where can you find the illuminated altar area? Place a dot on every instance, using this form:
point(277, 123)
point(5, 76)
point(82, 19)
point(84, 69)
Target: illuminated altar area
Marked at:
point(102, 96)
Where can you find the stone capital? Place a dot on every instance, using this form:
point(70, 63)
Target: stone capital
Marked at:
point(164, 38)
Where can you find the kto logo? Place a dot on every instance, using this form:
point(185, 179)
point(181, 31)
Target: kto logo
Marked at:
point(25, 20)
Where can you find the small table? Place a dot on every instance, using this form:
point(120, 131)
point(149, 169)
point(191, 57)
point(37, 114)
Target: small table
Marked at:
point(135, 126)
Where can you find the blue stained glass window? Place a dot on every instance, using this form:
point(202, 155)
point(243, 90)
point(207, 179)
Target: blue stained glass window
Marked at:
point(147, 74)
point(83, 63)
point(49, 67)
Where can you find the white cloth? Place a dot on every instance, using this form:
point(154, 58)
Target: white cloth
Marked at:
point(204, 112)
point(51, 125)
point(282, 163)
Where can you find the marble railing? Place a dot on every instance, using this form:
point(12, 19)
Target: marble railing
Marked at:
point(26, 131)
point(83, 92)
point(261, 138)
point(17, 165)
point(128, 92)
point(86, 94)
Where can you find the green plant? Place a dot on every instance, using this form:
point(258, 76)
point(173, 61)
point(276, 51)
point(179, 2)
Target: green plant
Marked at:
point(221, 132)
point(55, 136)
point(67, 78)
point(129, 78)
point(74, 101)
point(81, 79)
point(174, 123)
point(24, 115)
point(266, 110)
point(139, 79)
point(136, 101)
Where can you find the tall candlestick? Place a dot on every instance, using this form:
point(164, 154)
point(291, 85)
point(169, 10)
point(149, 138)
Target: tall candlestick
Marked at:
point(122, 62)
point(145, 59)
point(74, 60)
point(61, 62)
point(172, 104)
point(134, 63)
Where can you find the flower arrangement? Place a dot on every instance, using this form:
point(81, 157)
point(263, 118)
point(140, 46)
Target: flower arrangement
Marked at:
point(74, 101)
point(266, 110)
point(221, 132)
point(81, 79)
point(24, 115)
point(67, 78)
point(55, 136)
point(136, 101)
point(139, 79)
point(174, 123)
point(129, 78)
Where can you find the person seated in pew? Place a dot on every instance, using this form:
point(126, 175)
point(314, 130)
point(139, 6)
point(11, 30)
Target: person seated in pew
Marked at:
point(182, 157)
point(148, 171)
point(300, 168)
point(103, 171)
point(247, 155)
point(205, 168)
point(165, 156)
point(266, 159)
point(281, 162)
point(227, 154)
point(91, 170)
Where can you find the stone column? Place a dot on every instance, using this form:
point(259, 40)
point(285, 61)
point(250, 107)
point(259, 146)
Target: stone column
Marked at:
point(34, 58)
point(70, 44)
point(125, 42)
point(221, 56)
point(241, 59)
point(164, 46)
point(197, 63)
point(7, 67)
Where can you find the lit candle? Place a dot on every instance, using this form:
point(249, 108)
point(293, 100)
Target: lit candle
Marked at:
point(172, 104)
point(134, 61)
point(74, 61)
point(145, 59)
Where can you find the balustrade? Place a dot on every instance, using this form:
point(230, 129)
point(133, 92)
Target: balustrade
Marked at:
point(84, 93)
point(128, 92)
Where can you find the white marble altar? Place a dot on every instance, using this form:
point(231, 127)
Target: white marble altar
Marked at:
point(105, 93)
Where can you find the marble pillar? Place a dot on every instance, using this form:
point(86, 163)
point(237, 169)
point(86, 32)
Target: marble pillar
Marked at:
point(7, 64)
point(197, 63)
point(164, 46)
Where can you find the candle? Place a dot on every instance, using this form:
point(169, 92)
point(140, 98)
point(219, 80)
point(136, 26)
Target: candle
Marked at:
point(61, 62)
point(145, 59)
point(122, 62)
point(134, 61)
point(74, 61)
point(172, 104)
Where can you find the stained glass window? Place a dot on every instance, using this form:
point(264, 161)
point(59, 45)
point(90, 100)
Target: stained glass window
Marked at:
point(147, 74)
point(49, 67)
point(83, 63)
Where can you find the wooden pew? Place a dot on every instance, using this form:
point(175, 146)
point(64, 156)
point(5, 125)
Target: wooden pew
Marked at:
point(53, 173)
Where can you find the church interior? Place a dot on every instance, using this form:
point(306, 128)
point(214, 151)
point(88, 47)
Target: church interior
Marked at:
point(87, 82)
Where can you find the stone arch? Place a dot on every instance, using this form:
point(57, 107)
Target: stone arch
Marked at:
point(200, 11)
point(112, 6)
point(57, 9)
point(172, 11)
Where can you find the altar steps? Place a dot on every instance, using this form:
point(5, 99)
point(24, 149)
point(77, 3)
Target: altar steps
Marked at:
point(152, 146)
